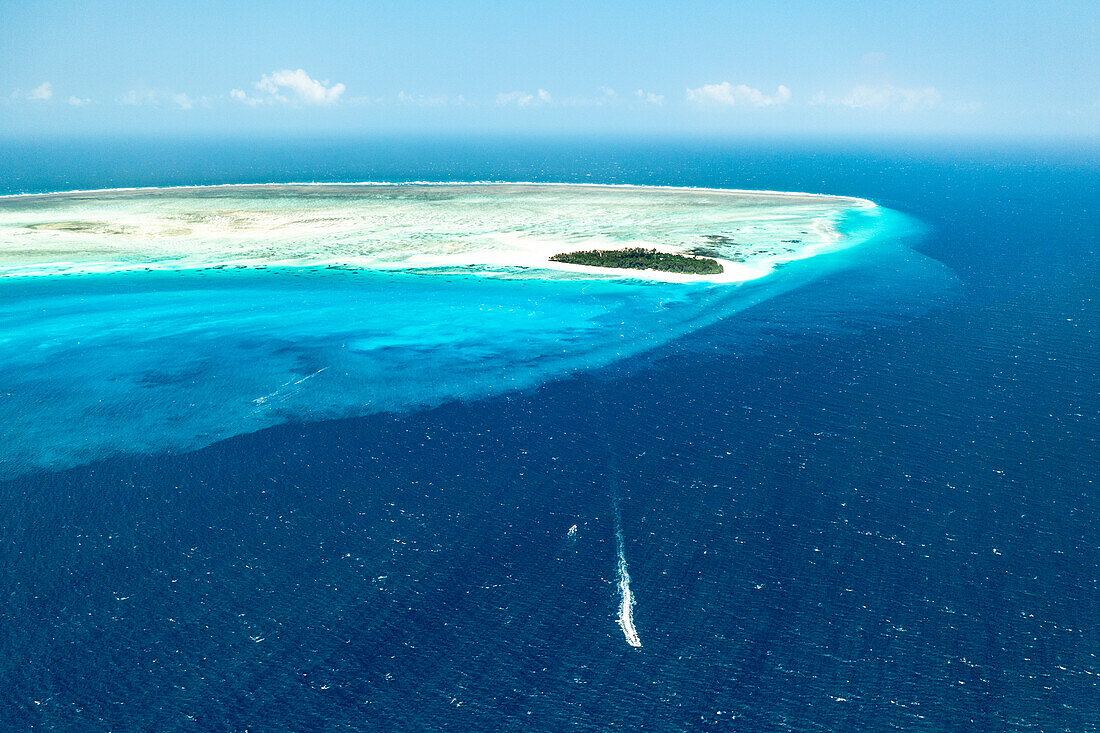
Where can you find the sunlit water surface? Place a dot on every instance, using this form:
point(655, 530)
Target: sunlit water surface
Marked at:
point(857, 493)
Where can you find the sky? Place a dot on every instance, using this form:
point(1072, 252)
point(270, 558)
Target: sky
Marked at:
point(1029, 69)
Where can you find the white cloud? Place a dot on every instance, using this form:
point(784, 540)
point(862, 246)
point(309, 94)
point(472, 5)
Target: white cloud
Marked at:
point(884, 98)
point(606, 97)
point(42, 92)
point(524, 99)
point(159, 98)
point(240, 96)
point(424, 100)
point(366, 101)
point(134, 98)
point(740, 95)
point(76, 101)
point(650, 97)
point(297, 86)
point(182, 100)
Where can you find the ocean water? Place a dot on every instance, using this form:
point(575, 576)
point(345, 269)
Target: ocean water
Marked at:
point(858, 493)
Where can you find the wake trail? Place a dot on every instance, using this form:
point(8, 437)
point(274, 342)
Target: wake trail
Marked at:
point(626, 597)
point(292, 383)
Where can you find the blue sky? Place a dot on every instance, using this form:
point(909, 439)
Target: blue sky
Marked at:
point(767, 68)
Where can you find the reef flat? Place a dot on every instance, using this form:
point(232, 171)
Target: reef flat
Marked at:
point(495, 229)
point(151, 320)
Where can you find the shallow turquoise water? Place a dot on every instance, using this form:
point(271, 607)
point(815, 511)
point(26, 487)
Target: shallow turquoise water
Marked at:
point(145, 361)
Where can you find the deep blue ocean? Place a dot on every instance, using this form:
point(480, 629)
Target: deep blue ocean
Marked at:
point(868, 502)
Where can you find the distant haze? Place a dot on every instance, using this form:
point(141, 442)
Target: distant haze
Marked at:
point(1000, 69)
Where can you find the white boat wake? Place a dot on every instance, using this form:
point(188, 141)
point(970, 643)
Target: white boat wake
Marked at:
point(292, 383)
point(626, 598)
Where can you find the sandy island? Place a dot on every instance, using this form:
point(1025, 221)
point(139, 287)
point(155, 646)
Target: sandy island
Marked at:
point(488, 229)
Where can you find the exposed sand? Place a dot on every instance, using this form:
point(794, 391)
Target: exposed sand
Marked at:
point(487, 229)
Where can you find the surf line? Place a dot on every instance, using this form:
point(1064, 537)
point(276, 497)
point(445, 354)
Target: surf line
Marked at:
point(626, 597)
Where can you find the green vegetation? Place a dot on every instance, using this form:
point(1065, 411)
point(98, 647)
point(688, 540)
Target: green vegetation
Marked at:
point(637, 258)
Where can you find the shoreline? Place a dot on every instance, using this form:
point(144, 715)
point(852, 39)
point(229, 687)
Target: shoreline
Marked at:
point(733, 272)
point(499, 253)
point(410, 184)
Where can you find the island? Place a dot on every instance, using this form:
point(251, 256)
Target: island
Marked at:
point(511, 231)
point(639, 258)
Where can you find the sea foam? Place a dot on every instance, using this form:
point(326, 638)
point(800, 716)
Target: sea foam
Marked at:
point(626, 596)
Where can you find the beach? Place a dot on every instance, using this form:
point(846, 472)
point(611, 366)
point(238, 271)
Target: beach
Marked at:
point(487, 229)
